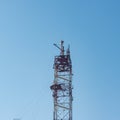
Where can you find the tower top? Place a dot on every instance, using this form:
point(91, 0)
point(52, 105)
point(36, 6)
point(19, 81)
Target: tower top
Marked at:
point(61, 48)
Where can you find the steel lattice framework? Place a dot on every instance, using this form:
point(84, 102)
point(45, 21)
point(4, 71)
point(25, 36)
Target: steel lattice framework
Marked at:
point(62, 85)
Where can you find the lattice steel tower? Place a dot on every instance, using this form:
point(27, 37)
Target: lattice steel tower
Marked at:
point(62, 85)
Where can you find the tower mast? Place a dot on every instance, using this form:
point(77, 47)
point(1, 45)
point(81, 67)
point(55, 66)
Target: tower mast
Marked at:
point(62, 85)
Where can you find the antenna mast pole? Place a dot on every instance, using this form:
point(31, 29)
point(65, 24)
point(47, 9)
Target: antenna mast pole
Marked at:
point(62, 85)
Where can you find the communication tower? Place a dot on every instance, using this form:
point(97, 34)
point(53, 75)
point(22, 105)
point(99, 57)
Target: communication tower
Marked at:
point(62, 85)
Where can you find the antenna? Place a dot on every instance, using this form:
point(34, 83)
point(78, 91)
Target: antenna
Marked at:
point(61, 48)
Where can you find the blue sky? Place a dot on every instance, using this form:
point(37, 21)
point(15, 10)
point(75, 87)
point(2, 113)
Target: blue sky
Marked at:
point(28, 29)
